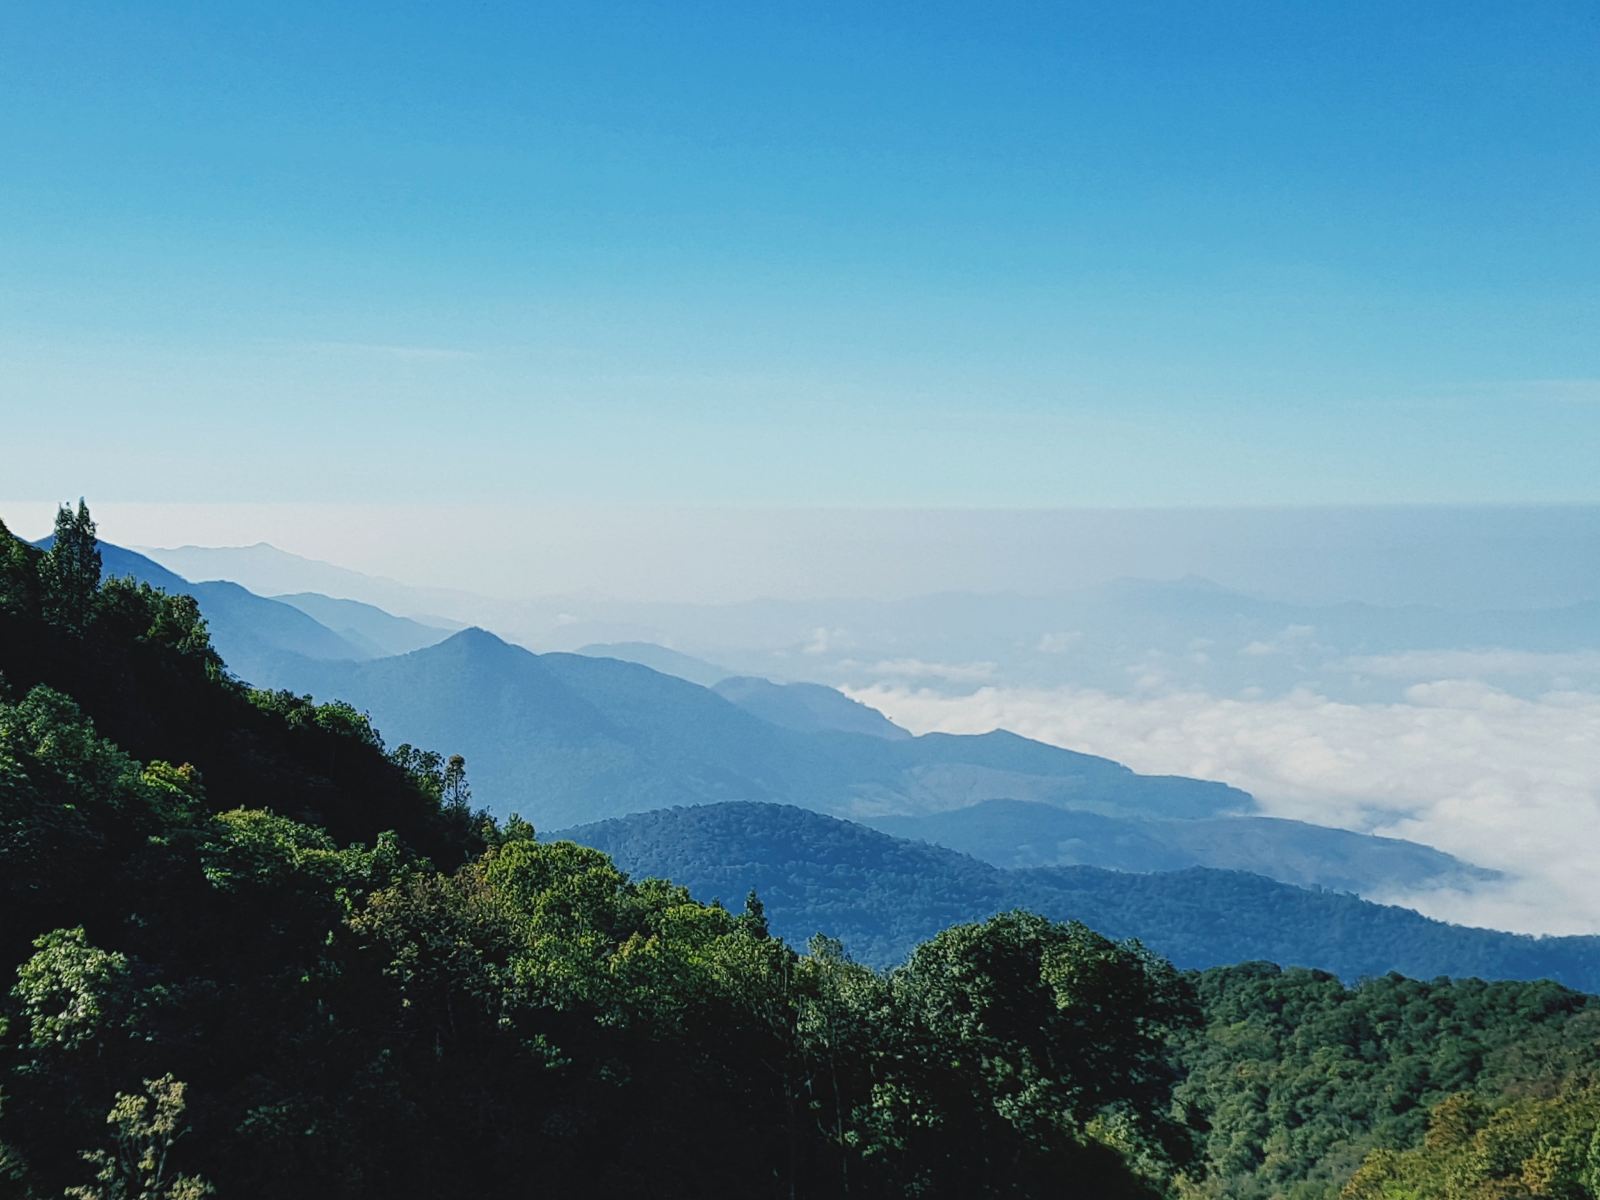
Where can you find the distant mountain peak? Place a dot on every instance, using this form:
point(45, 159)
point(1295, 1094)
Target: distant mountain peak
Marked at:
point(475, 635)
point(193, 546)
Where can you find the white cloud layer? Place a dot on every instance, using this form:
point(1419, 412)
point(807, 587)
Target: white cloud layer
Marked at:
point(1498, 780)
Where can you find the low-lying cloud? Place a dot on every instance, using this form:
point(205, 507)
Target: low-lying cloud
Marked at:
point(1497, 779)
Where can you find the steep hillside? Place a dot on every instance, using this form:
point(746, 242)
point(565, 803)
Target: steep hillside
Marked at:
point(659, 658)
point(565, 738)
point(881, 895)
point(365, 625)
point(808, 707)
point(162, 696)
point(254, 635)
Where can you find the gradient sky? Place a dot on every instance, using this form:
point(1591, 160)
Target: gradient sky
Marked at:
point(747, 253)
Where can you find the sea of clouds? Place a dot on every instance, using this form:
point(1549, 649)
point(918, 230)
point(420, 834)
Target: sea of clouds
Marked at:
point(1503, 780)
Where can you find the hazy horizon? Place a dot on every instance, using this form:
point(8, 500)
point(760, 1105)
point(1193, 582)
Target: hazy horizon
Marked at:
point(1453, 556)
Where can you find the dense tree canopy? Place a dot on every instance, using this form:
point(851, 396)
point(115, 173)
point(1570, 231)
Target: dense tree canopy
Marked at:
point(70, 572)
point(1295, 1077)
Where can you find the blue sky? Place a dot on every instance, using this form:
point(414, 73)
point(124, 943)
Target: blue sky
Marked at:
point(751, 254)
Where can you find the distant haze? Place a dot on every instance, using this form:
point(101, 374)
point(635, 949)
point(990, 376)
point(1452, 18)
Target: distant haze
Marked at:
point(1466, 724)
point(1462, 557)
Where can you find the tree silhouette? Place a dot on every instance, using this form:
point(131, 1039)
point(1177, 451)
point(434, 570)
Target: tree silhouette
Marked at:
point(70, 572)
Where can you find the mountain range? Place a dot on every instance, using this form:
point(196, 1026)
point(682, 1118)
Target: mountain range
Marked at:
point(568, 739)
point(563, 738)
point(1191, 631)
point(256, 635)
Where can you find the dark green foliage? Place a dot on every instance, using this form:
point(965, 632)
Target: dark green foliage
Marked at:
point(142, 669)
point(1296, 1077)
point(1047, 1030)
point(70, 571)
point(21, 589)
point(349, 1021)
point(457, 791)
point(130, 611)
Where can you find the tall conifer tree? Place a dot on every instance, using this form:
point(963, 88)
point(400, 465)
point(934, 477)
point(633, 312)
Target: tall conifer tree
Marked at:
point(71, 570)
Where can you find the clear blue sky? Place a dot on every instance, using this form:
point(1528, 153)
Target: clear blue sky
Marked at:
point(751, 253)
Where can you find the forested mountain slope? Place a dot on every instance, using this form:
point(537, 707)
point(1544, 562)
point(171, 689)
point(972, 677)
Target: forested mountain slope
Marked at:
point(881, 895)
point(163, 696)
point(254, 634)
point(1295, 1079)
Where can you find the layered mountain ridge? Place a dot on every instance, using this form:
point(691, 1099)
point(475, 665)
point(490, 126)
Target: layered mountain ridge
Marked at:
point(568, 739)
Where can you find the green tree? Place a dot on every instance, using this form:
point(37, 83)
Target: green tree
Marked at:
point(1591, 1164)
point(70, 572)
point(456, 792)
point(70, 990)
point(426, 768)
point(1012, 1054)
point(19, 575)
point(135, 611)
point(12, 1165)
point(1056, 1020)
point(138, 1166)
point(754, 916)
